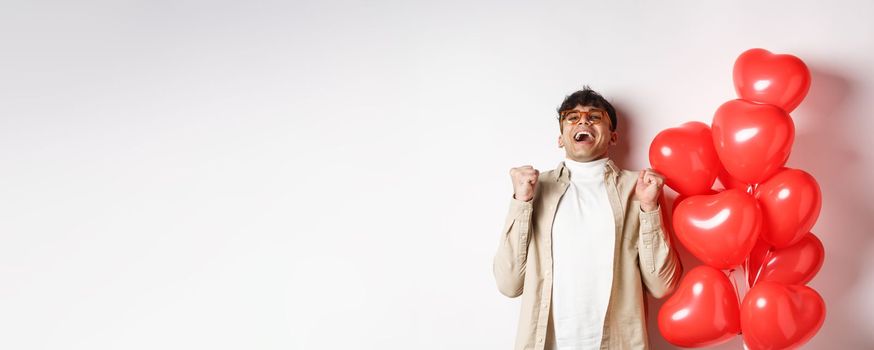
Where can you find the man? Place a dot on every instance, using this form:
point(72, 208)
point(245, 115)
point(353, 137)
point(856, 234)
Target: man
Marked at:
point(582, 241)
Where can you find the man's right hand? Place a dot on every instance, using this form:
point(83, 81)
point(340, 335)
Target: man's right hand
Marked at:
point(524, 180)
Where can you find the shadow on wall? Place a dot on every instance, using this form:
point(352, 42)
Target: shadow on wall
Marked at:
point(844, 226)
point(824, 150)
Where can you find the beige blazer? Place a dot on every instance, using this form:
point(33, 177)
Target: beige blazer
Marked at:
point(643, 257)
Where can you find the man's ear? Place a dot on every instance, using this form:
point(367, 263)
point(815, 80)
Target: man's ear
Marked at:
point(560, 143)
point(614, 138)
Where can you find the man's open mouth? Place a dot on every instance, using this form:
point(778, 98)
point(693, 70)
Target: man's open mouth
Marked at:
point(583, 136)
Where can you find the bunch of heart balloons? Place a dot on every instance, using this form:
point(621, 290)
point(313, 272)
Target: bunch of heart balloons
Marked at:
point(759, 223)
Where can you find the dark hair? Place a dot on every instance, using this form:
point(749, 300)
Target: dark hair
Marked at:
point(588, 97)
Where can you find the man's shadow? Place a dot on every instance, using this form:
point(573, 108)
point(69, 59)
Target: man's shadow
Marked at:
point(625, 129)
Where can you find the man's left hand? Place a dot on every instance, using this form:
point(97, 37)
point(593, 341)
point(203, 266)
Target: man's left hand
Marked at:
point(648, 189)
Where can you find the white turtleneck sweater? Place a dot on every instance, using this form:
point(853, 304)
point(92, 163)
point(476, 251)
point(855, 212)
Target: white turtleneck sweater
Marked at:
point(583, 238)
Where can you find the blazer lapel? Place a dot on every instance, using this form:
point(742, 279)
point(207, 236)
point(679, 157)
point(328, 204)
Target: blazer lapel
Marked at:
point(552, 191)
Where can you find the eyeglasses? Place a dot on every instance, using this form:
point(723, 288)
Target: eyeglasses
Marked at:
point(593, 116)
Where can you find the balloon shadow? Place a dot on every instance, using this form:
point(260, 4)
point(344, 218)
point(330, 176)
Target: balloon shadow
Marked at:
point(824, 148)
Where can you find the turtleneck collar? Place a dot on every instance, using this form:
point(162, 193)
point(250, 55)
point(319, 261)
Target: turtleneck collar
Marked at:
point(586, 170)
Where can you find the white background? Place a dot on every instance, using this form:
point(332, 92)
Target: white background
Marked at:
point(334, 175)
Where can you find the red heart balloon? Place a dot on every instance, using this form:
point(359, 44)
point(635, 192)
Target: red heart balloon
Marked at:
point(703, 312)
point(756, 259)
point(681, 197)
point(780, 80)
point(729, 182)
point(676, 203)
point(795, 264)
point(778, 316)
point(791, 201)
point(685, 156)
point(719, 229)
point(752, 140)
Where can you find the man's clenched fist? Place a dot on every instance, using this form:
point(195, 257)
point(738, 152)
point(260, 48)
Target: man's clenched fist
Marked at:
point(648, 189)
point(524, 180)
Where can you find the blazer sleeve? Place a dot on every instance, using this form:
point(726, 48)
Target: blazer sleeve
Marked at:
point(660, 266)
point(512, 255)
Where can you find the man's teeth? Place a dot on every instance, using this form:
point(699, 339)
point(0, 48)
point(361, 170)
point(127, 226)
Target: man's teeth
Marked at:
point(582, 135)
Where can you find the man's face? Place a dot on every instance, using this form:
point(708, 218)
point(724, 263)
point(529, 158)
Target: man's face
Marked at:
point(586, 141)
